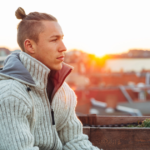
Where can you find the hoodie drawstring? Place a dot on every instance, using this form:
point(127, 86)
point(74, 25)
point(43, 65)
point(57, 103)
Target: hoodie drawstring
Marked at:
point(33, 108)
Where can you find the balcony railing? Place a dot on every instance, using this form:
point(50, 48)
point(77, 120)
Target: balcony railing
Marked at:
point(111, 133)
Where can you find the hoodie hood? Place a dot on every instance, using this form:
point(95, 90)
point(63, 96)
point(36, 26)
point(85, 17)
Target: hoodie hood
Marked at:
point(13, 68)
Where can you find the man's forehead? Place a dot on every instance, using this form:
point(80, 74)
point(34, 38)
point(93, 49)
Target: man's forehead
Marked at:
point(53, 29)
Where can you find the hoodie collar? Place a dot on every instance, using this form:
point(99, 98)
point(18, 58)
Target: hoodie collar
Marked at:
point(38, 71)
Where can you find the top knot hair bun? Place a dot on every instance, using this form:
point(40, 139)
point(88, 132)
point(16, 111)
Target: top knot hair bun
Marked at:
point(20, 13)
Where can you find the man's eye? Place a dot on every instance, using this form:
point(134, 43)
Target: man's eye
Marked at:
point(54, 40)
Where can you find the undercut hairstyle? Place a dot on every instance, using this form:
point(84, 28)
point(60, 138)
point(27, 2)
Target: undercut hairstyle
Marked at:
point(30, 26)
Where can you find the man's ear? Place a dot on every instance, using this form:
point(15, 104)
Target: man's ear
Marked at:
point(29, 46)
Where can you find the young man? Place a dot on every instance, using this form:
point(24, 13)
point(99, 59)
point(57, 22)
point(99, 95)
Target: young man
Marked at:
point(37, 108)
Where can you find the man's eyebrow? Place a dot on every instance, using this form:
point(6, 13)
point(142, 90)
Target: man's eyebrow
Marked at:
point(57, 36)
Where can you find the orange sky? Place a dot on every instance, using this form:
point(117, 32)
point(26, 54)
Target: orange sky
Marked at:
point(95, 26)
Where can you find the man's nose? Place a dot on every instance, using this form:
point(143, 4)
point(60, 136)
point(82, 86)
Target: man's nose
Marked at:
point(62, 47)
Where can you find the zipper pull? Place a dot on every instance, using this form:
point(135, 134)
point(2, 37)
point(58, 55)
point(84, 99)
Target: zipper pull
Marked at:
point(53, 120)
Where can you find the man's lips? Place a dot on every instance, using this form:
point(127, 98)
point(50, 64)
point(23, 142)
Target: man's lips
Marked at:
point(61, 58)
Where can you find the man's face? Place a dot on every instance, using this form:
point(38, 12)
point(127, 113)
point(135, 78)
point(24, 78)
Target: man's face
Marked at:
point(50, 47)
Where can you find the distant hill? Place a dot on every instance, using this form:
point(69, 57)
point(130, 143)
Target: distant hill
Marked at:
point(133, 53)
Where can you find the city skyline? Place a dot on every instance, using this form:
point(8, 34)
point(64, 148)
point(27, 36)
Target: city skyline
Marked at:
point(98, 27)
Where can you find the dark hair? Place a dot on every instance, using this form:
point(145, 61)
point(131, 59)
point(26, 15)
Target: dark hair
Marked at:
point(30, 26)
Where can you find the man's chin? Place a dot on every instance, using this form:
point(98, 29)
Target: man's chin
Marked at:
point(57, 68)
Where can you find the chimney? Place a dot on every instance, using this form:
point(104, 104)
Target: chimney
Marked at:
point(111, 101)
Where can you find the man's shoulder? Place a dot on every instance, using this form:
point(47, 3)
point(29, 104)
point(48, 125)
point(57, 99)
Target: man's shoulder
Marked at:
point(14, 93)
point(10, 82)
point(10, 87)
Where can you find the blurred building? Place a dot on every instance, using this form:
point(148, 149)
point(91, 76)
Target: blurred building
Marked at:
point(133, 53)
point(130, 97)
point(3, 54)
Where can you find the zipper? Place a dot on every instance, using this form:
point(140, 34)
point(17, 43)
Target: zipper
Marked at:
point(53, 122)
point(51, 113)
point(53, 117)
point(54, 129)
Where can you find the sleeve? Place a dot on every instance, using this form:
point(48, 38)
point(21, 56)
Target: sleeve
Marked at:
point(14, 125)
point(72, 137)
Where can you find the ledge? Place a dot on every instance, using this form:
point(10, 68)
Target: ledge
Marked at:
point(116, 138)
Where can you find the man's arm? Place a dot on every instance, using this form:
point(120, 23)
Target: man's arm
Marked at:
point(72, 136)
point(14, 126)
